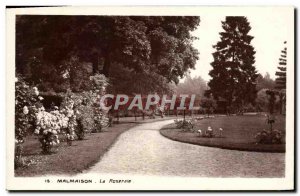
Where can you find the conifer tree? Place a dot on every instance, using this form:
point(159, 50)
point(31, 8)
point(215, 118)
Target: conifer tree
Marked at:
point(281, 78)
point(233, 74)
point(281, 73)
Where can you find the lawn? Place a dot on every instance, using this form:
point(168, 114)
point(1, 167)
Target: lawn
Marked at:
point(66, 160)
point(238, 134)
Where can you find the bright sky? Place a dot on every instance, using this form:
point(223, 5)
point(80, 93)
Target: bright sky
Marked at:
point(270, 28)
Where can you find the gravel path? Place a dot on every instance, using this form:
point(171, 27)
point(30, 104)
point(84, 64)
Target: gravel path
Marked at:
point(142, 150)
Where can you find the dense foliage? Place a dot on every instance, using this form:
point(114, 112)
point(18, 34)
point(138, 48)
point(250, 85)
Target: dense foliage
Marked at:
point(233, 74)
point(75, 117)
point(27, 102)
point(60, 52)
point(281, 73)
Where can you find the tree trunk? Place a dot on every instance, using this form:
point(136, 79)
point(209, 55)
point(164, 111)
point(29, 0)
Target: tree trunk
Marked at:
point(280, 102)
point(95, 64)
point(106, 66)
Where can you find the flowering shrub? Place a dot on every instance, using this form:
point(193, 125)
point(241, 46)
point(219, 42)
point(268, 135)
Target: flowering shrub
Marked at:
point(208, 133)
point(160, 110)
point(269, 137)
point(77, 115)
point(186, 125)
point(84, 114)
point(27, 100)
point(67, 109)
point(99, 82)
point(48, 126)
point(101, 120)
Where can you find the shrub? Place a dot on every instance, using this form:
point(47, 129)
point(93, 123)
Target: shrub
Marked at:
point(67, 109)
point(27, 100)
point(249, 108)
point(84, 114)
point(100, 119)
point(100, 82)
point(269, 137)
point(48, 126)
point(186, 125)
point(272, 136)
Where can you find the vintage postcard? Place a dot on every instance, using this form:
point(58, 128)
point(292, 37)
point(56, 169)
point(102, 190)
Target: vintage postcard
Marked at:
point(150, 98)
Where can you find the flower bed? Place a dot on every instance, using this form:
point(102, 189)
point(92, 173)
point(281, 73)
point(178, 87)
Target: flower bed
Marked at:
point(238, 133)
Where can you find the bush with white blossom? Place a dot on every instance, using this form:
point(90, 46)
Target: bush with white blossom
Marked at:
point(67, 110)
point(27, 100)
point(100, 83)
point(185, 125)
point(48, 126)
point(78, 114)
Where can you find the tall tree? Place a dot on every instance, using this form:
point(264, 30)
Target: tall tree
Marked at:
point(281, 73)
point(233, 74)
point(281, 78)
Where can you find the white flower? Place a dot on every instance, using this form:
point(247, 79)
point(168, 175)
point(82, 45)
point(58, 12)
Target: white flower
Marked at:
point(25, 110)
point(36, 91)
point(199, 131)
point(221, 129)
point(54, 132)
point(41, 98)
point(209, 129)
point(36, 131)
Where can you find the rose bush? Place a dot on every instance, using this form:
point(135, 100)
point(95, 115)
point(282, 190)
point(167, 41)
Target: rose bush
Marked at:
point(48, 126)
point(269, 137)
point(27, 101)
point(100, 82)
point(67, 108)
point(83, 111)
point(79, 113)
point(186, 125)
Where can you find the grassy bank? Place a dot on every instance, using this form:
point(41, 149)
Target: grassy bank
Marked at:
point(67, 159)
point(238, 134)
point(73, 159)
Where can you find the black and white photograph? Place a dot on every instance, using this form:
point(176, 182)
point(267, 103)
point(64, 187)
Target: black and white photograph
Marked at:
point(150, 98)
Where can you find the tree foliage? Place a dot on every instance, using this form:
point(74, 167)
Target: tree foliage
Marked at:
point(264, 82)
point(61, 51)
point(281, 73)
point(233, 74)
point(195, 85)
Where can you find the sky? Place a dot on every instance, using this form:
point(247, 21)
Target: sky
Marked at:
point(270, 28)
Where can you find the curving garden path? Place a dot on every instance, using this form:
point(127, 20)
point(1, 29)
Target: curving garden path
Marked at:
point(142, 150)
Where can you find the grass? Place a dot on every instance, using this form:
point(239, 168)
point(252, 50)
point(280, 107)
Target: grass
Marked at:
point(67, 160)
point(238, 133)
